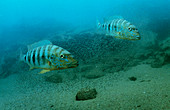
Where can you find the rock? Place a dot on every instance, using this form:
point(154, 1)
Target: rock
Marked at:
point(86, 94)
point(132, 78)
point(138, 106)
point(161, 56)
point(52, 106)
point(54, 78)
point(165, 45)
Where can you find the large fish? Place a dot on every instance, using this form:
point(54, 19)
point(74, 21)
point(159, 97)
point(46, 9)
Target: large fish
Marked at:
point(120, 28)
point(44, 55)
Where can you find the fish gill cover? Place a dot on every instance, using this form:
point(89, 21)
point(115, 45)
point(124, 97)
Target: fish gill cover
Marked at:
point(71, 24)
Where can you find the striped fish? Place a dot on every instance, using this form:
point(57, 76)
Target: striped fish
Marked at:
point(44, 55)
point(120, 28)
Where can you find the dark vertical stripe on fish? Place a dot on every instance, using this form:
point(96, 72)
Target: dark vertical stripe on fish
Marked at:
point(116, 25)
point(33, 57)
point(29, 57)
point(113, 27)
point(25, 58)
point(109, 27)
point(38, 55)
point(43, 55)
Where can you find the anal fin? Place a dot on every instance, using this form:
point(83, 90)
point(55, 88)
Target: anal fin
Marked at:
point(43, 71)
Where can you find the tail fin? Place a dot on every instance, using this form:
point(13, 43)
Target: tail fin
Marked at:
point(21, 56)
point(98, 24)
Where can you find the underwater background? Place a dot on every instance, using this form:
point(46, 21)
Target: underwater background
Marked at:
point(112, 73)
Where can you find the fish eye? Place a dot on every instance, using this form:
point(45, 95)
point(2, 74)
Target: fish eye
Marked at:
point(62, 56)
point(130, 29)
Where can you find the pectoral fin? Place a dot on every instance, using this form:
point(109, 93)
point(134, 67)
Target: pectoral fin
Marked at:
point(119, 37)
point(31, 68)
point(43, 71)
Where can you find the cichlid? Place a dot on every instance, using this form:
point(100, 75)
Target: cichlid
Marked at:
point(120, 28)
point(44, 55)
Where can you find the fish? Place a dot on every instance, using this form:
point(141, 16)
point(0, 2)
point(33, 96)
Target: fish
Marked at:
point(119, 28)
point(46, 56)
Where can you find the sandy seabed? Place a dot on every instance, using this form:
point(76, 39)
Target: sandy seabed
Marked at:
point(29, 91)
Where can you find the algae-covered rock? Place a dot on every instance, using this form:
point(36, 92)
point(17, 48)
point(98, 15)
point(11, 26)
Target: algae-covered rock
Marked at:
point(161, 56)
point(158, 62)
point(165, 46)
point(86, 94)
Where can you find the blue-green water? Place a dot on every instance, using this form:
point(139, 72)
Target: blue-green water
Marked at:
point(126, 74)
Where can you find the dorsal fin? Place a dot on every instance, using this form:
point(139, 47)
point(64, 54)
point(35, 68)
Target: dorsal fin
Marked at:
point(38, 44)
point(107, 19)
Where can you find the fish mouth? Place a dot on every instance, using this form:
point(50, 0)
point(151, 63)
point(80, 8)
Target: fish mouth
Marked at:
point(73, 64)
point(138, 37)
